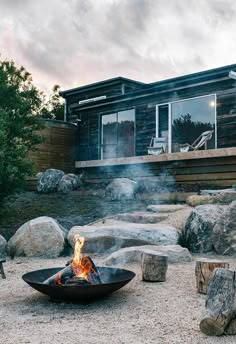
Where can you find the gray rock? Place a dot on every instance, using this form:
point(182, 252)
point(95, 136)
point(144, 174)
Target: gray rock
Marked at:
point(165, 208)
point(213, 192)
point(42, 236)
point(198, 231)
point(3, 247)
point(121, 189)
point(68, 182)
point(110, 238)
point(39, 174)
point(49, 180)
point(226, 197)
point(224, 232)
point(176, 254)
point(141, 217)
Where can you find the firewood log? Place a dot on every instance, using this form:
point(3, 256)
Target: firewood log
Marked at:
point(154, 267)
point(219, 302)
point(203, 271)
point(67, 276)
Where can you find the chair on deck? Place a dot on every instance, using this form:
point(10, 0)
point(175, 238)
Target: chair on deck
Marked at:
point(157, 145)
point(199, 142)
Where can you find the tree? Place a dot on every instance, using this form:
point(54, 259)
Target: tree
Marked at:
point(185, 130)
point(53, 107)
point(20, 119)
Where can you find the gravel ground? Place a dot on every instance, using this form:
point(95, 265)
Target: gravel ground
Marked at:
point(139, 313)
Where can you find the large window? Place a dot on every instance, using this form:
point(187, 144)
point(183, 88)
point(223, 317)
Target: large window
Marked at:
point(184, 121)
point(117, 134)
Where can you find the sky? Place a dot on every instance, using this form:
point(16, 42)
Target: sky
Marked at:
point(77, 42)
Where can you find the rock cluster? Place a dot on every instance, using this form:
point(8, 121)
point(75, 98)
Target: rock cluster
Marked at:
point(53, 180)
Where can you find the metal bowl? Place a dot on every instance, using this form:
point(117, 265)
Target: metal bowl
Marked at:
point(113, 279)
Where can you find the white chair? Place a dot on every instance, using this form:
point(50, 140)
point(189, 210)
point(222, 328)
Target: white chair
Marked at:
point(198, 143)
point(157, 145)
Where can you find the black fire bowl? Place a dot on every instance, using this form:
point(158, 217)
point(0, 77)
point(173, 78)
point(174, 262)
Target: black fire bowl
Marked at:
point(112, 280)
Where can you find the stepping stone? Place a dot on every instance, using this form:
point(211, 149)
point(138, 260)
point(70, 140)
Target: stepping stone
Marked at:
point(141, 217)
point(109, 238)
point(176, 254)
point(165, 208)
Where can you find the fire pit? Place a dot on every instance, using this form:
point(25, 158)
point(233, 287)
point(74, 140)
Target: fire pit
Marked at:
point(80, 280)
point(112, 280)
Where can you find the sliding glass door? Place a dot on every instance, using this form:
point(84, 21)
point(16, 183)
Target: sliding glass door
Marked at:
point(117, 134)
point(185, 120)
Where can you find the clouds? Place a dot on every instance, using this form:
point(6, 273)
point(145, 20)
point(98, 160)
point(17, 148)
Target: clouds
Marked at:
point(76, 42)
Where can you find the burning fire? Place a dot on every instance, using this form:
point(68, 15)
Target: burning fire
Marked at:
point(81, 266)
point(80, 271)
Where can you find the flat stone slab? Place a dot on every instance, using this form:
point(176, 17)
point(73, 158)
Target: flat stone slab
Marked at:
point(141, 217)
point(109, 238)
point(176, 254)
point(165, 208)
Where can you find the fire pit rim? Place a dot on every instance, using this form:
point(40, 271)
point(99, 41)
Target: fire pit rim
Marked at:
point(132, 275)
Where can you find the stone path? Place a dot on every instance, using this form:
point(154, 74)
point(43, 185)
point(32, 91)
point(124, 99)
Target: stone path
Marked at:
point(125, 236)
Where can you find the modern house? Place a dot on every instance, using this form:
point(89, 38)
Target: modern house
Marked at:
point(117, 118)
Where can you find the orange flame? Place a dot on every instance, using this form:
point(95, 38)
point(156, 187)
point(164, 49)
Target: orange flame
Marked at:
point(80, 265)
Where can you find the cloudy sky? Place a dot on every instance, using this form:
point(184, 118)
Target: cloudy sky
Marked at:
point(77, 42)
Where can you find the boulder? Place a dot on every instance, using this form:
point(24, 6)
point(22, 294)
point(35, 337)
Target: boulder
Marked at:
point(121, 189)
point(224, 232)
point(175, 253)
point(3, 247)
point(42, 236)
point(141, 217)
point(226, 197)
point(195, 200)
point(110, 238)
point(39, 174)
point(165, 208)
point(198, 231)
point(69, 182)
point(49, 180)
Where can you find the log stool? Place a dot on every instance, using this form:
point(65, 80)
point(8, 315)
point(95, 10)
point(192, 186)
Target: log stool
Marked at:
point(219, 302)
point(1, 268)
point(154, 266)
point(203, 271)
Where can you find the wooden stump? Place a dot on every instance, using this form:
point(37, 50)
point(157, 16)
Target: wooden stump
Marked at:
point(154, 267)
point(203, 271)
point(219, 303)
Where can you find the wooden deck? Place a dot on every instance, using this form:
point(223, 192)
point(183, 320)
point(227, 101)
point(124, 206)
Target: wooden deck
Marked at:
point(206, 167)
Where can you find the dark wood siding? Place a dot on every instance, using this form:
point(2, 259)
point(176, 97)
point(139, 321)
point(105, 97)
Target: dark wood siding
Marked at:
point(226, 120)
point(145, 116)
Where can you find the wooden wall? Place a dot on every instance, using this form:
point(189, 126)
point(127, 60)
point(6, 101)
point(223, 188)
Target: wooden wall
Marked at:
point(58, 149)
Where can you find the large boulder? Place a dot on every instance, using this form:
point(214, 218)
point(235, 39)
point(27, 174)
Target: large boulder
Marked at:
point(110, 238)
point(121, 189)
point(42, 236)
point(68, 183)
point(3, 247)
point(176, 254)
point(224, 232)
point(49, 180)
point(198, 232)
